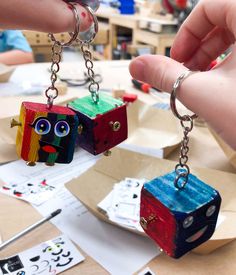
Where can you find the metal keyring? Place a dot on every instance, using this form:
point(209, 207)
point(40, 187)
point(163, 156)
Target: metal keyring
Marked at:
point(175, 88)
point(177, 179)
point(87, 36)
point(94, 4)
point(73, 35)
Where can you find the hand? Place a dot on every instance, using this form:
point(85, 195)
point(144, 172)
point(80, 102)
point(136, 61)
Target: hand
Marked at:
point(44, 15)
point(208, 31)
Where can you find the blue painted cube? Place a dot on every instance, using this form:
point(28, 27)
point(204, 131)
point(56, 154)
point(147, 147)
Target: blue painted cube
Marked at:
point(179, 219)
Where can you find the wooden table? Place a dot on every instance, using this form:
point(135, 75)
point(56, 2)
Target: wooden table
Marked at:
point(16, 215)
point(160, 41)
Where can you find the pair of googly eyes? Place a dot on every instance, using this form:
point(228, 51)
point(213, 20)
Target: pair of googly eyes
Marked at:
point(189, 220)
point(43, 127)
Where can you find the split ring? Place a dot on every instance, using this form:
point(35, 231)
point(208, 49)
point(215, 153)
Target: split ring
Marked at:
point(175, 88)
point(88, 35)
point(73, 35)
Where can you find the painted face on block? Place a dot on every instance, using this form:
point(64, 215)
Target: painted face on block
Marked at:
point(179, 220)
point(46, 135)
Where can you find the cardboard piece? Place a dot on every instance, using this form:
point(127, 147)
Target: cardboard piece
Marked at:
point(151, 130)
point(142, 121)
point(7, 141)
point(92, 186)
point(229, 152)
point(5, 72)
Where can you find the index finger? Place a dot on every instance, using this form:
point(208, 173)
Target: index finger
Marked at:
point(205, 17)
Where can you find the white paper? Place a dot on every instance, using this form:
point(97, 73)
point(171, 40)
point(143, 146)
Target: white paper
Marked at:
point(103, 242)
point(117, 250)
point(122, 204)
point(220, 219)
point(27, 180)
point(51, 257)
point(146, 271)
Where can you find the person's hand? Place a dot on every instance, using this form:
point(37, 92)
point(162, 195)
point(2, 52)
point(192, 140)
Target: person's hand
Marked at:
point(208, 31)
point(45, 15)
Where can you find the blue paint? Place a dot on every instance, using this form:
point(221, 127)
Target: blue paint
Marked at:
point(195, 194)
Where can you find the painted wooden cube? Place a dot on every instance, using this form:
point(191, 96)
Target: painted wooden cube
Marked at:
point(46, 135)
point(178, 220)
point(102, 125)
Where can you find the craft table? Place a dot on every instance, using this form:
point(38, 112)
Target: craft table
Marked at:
point(16, 215)
point(160, 40)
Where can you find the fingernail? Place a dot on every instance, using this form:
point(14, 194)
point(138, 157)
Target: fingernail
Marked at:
point(137, 68)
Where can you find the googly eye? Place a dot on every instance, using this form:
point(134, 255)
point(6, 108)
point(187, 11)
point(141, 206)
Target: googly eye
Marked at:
point(62, 128)
point(211, 210)
point(42, 126)
point(188, 222)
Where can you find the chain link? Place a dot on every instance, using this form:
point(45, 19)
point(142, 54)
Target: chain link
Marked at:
point(52, 92)
point(182, 169)
point(94, 85)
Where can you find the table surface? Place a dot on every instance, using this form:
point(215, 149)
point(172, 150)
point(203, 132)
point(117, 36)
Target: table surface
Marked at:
point(204, 152)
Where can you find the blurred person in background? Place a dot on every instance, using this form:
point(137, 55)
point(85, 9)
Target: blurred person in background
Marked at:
point(14, 48)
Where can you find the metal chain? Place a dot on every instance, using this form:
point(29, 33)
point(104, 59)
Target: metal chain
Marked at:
point(182, 169)
point(94, 85)
point(52, 92)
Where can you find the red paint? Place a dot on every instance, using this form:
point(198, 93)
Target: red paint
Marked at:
point(44, 182)
point(83, 14)
point(18, 194)
point(213, 64)
point(129, 97)
point(49, 149)
point(181, 4)
point(29, 118)
point(163, 229)
point(103, 133)
point(69, 6)
point(42, 108)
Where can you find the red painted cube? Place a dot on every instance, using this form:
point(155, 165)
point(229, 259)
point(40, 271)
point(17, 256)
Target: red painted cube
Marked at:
point(102, 125)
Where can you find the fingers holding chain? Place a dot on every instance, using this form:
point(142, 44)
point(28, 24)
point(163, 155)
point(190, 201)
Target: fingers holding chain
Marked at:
point(84, 37)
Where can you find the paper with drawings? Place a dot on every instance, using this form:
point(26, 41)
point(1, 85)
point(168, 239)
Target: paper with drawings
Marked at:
point(122, 204)
point(39, 183)
point(103, 242)
point(51, 257)
point(117, 250)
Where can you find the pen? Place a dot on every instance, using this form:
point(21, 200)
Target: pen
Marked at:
point(29, 229)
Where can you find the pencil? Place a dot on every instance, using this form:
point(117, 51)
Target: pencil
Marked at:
point(29, 229)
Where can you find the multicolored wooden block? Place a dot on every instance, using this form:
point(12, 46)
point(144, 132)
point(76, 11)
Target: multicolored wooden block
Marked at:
point(103, 125)
point(46, 135)
point(179, 220)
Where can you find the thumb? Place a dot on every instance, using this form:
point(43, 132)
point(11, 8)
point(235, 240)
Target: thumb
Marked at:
point(159, 71)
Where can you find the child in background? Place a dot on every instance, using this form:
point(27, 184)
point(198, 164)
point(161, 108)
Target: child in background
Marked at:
point(14, 48)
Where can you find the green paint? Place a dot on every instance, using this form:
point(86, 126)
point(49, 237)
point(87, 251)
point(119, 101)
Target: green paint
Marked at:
point(86, 105)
